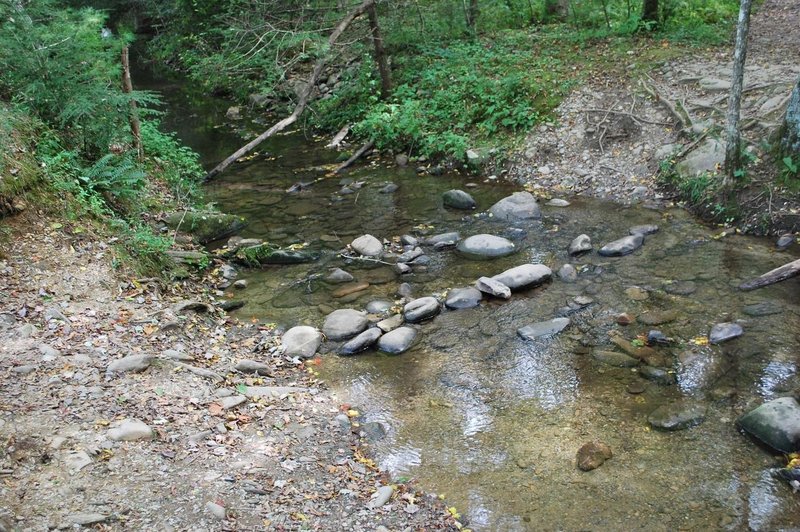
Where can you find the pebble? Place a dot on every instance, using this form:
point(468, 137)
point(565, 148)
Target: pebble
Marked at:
point(252, 366)
point(216, 510)
point(624, 319)
point(568, 273)
point(130, 430)
point(592, 455)
point(380, 497)
point(637, 294)
point(240, 284)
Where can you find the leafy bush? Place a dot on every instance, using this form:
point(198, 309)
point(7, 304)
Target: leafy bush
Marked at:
point(177, 164)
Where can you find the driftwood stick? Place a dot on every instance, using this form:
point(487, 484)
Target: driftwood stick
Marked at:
point(666, 103)
point(623, 113)
point(777, 275)
point(339, 137)
point(305, 96)
point(353, 158)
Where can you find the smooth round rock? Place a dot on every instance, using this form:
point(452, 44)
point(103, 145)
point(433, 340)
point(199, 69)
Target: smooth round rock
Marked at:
point(763, 308)
point(581, 244)
point(397, 341)
point(486, 247)
point(568, 273)
point(658, 317)
point(379, 306)
point(524, 276)
point(785, 241)
point(624, 246)
point(421, 309)
point(130, 430)
point(301, 341)
point(680, 288)
point(461, 298)
point(339, 276)
point(344, 323)
point(722, 332)
point(518, 206)
point(458, 199)
point(131, 363)
point(363, 341)
point(367, 245)
point(658, 375)
point(677, 416)
point(448, 238)
point(558, 202)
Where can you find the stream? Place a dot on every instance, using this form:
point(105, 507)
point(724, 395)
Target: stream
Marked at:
point(493, 421)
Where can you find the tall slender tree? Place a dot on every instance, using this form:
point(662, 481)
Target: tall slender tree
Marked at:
point(650, 11)
point(733, 147)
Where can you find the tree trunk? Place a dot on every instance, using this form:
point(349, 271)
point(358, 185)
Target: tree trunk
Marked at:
point(305, 95)
point(556, 9)
point(650, 11)
point(380, 52)
point(733, 137)
point(790, 130)
point(471, 13)
point(133, 118)
point(787, 271)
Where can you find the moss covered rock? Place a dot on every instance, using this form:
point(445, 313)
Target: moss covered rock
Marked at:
point(206, 226)
point(269, 254)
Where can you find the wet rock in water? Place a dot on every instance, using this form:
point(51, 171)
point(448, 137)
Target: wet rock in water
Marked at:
point(389, 189)
point(302, 341)
point(613, 358)
point(268, 254)
point(776, 424)
point(624, 319)
point(408, 240)
point(390, 324)
point(635, 388)
point(339, 276)
point(373, 431)
point(785, 241)
point(543, 328)
point(582, 301)
point(458, 199)
point(764, 308)
point(658, 317)
point(405, 290)
point(131, 363)
point(130, 430)
point(402, 268)
point(228, 271)
point(568, 273)
point(240, 284)
point(700, 369)
point(367, 245)
point(379, 306)
point(592, 455)
point(524, 276)
point(363, 341)
point(624, 246)
point(643, 230)
point(518, 206)
point(252, 366)
point(397, 341)
point(486, 247)
point(461, 298)
point(680, 288)
point(636, 293)
point(658, 375)
point(722, 332)
point(230, 306)
point(410, 255)
point(655, 337)
point(677, 416)
point(380, 497)
point(488, 285)
point(581, 244)
point(558, 202)
point(421, 309)
point(344, 323)
point(449, 238)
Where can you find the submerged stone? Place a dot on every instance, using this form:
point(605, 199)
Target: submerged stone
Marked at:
point(363, 341)
point(643, 230)
point(543, 328)
point(458, 199)
point(461, 298)
point(722, 332)
point(677, 416)
point(524, 276)
point(581, 244)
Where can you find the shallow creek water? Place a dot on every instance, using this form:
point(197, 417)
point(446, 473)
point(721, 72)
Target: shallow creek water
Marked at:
point(493, 421)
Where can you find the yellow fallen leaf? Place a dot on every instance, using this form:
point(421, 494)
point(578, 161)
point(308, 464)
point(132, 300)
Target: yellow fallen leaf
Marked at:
point(353, 413)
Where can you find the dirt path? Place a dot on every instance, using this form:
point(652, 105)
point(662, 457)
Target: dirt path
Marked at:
point(612, 136)
point(217, 448)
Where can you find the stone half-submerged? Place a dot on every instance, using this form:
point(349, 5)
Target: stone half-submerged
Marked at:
point(524, 276)
point(482, 247)
point(367, 245)
point(623, 246)
point(363, 341)
point(421, 309)
point(397, 341)
point(518, 206)
point(344, 323)
point(543, 328)
point(776, 424)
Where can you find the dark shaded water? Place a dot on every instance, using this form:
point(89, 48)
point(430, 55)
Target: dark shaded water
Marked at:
point(492, 421)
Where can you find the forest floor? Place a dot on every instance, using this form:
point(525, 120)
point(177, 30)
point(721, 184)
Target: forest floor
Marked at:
point(613, 137)
point(203, 445)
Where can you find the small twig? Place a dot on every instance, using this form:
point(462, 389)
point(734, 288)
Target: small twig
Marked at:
point(365, 259)
point(671, 108)
point(635, 117)
point(691, 146)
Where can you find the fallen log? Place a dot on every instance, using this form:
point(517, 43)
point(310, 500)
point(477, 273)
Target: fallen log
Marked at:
point(353, 158)
point(305, 96)
point(777, 275)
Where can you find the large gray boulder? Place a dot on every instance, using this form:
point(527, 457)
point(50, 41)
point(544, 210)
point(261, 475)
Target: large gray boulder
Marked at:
point(301, 341)
point(623, 246)
point(524, 276)
point(486, 247)
point(776, 424)
point(517, 206)
point(705, 158)
point(398, 340)
point(344, 323)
